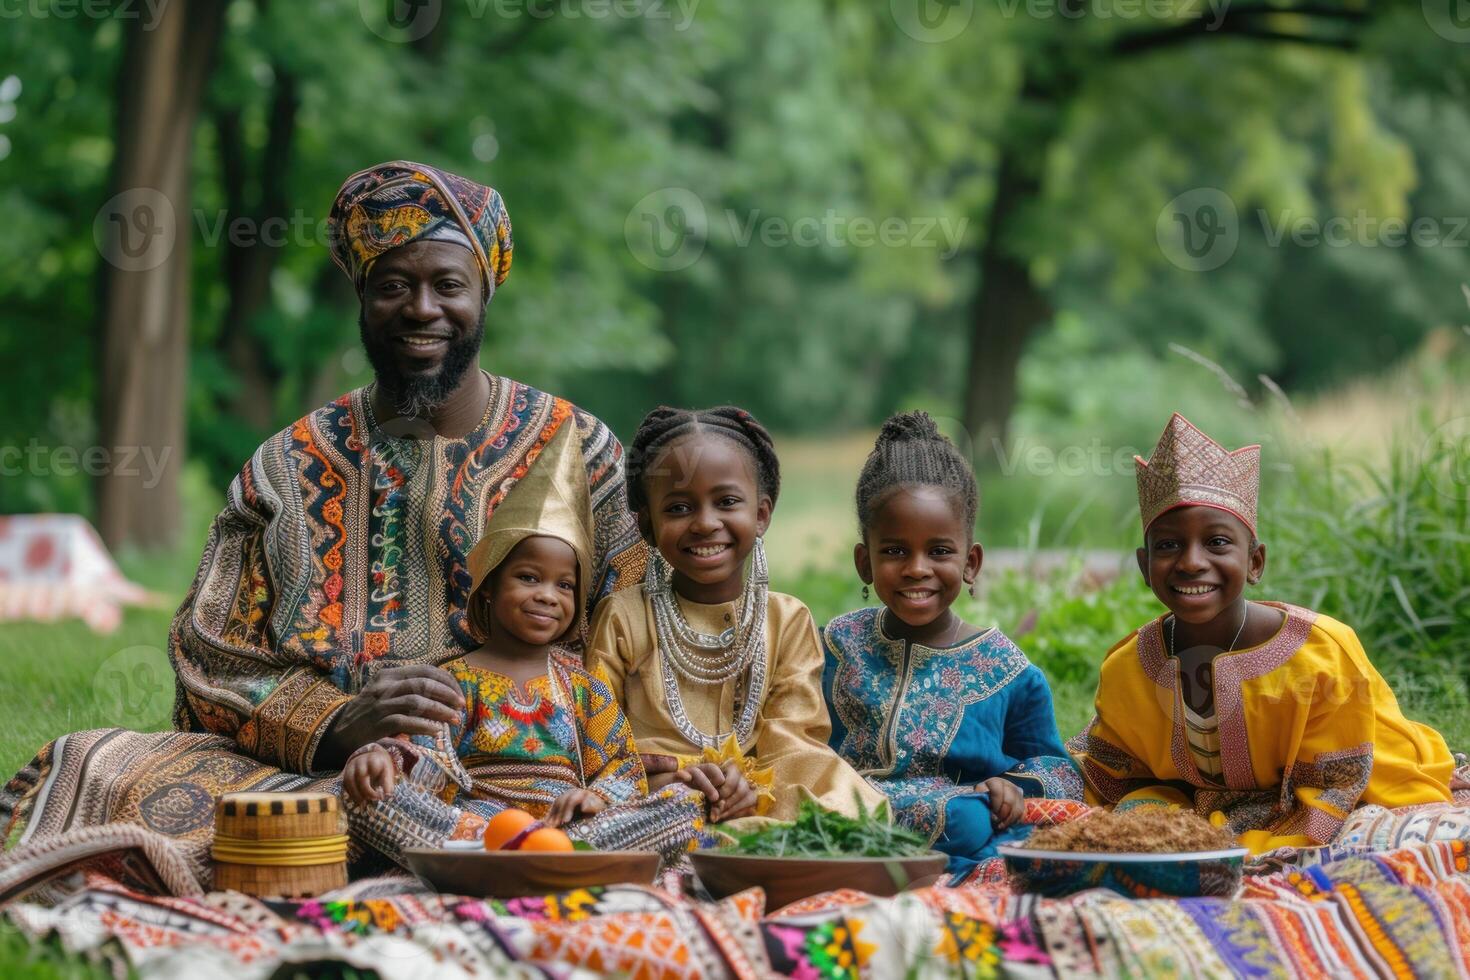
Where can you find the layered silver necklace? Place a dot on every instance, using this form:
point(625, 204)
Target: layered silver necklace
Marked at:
point(712, 658)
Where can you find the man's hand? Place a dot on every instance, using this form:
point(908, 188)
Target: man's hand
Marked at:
point(572, 804)
point(408, 700)
point(1007, 803)
point(369, 776)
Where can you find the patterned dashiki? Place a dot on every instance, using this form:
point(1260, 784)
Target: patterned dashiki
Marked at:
point(341, 549)
point(1307, 729)
point(524, 749)
point(926, 725)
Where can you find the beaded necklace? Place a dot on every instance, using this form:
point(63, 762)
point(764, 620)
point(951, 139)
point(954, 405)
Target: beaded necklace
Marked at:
point(712, 658)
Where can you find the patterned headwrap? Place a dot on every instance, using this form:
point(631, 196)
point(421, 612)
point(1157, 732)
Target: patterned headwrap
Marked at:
point(1189, 469)
point(395, 203)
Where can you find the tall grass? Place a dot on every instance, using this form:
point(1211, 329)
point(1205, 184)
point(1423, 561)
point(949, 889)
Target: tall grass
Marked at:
point(1385, 548)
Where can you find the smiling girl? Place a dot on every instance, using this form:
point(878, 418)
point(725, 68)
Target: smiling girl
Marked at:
point(950, 720)
point(1263, 717)
point(718, 675)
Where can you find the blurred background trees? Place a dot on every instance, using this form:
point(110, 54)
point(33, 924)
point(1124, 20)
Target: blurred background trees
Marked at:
point(696, 193)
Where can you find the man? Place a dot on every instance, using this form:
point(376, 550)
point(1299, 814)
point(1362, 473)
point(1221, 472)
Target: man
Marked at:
point(336, 577)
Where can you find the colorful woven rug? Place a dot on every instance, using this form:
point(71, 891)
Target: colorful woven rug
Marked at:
point(1404, 913)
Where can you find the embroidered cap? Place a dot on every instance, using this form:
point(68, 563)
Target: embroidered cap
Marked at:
point(1189, 469)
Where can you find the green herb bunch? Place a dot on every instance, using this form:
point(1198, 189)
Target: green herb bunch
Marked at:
point(818, 832)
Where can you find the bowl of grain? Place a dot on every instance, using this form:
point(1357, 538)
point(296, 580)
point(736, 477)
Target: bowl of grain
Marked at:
point(1144, 852)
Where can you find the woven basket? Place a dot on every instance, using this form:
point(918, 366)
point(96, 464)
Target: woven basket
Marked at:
point(279, 845)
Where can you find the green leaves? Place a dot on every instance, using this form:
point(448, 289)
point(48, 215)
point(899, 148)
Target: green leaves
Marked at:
point(818, 832)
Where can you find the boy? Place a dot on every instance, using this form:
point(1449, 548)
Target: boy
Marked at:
point(1262, 717)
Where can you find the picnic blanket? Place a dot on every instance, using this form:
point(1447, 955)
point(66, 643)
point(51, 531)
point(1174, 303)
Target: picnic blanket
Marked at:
point(1401, 913)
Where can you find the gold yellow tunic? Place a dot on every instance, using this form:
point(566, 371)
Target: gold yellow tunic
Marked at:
point(792, 728)
point(1307, 729)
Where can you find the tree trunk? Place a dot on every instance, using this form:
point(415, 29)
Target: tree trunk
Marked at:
point(144, 233)
point(1007, 309)
point(251, 256)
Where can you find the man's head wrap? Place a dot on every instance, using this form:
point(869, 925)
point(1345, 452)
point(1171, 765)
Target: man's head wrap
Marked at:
point(392, 204)
point(1189, 469)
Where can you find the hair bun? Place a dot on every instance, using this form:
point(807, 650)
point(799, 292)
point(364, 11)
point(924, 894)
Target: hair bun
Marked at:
point(909, 427)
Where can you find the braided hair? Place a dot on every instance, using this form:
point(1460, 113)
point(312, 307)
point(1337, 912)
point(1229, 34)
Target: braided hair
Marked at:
point(911, 451)
point(662, 426)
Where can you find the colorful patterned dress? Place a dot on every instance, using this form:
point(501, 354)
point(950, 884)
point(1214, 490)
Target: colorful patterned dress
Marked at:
point(1307, 730)
point(525, 749)
point(341, 549)
point(926, 725)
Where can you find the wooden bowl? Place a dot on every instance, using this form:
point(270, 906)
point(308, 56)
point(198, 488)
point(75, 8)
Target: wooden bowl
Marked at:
point(517, 874)
point(790, 879)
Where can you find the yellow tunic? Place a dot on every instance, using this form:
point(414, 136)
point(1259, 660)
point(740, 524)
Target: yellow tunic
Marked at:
point(791, 730)
point(1307, 729)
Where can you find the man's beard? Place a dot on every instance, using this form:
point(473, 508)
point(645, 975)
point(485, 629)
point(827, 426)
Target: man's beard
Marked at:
point(416, 396)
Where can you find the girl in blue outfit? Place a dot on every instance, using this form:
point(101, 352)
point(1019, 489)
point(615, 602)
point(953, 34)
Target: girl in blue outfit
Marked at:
point(949, 720)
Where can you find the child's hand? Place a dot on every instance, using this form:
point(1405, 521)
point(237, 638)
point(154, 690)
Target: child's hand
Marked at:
point(572, 804)
point(661, 770)
point(726, 790)
point(1007, 803)
point(369, 775)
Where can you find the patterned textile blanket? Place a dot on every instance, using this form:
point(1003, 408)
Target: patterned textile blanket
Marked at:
point(1403, 913)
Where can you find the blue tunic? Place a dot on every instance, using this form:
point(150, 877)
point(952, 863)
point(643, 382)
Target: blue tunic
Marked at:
point(927, 725)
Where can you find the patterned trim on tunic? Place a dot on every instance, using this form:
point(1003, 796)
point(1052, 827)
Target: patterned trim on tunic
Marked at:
point(1232, 670)
point(941, 683)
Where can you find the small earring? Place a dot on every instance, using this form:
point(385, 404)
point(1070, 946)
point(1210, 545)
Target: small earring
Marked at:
point(972, 590)
point(865, 593)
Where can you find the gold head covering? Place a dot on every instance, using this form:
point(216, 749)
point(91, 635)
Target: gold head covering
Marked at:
point(1189, 469)
point(550, 500)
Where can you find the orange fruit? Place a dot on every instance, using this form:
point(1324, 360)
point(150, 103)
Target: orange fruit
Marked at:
point(546, 839)
point(505, 825)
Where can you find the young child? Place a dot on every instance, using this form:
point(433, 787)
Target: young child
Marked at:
point(719, 676)
point(951, 721)
point(540, 732)
point(1263, 717)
